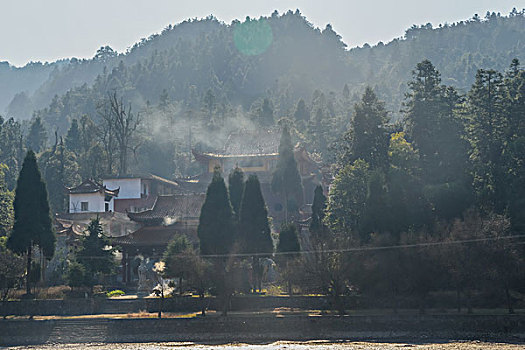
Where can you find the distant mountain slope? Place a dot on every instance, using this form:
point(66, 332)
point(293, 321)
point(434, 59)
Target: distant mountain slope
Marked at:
point(189, 59)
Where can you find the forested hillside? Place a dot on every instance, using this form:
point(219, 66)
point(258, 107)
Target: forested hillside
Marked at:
point(290, 60)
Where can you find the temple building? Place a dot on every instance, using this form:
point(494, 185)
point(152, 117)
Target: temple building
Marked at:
point(91, 196)
point(170, 216)
point(256, 152)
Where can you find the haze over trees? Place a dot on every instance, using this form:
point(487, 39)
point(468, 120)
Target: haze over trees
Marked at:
point(424, 138)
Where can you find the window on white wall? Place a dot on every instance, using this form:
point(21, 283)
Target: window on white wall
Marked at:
point(84, 206)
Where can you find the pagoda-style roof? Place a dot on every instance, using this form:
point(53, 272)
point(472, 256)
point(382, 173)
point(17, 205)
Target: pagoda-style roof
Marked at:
point(171, 208)
point(246, 143)
point(91, 186)
point(153, 236)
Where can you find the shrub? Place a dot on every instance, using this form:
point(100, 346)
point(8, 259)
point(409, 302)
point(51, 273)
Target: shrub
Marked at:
point(115, 293)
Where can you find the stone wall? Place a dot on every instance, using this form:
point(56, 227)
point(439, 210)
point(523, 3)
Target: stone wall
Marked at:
point(174, 304)
point(265, 328)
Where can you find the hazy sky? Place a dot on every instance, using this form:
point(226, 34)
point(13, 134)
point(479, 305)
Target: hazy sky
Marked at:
point(46, 30)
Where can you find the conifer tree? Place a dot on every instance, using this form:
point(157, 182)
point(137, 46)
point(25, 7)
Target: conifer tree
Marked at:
point(95, 254)
point(368, 136)
point(286, 179)
point(32, 225)
point(6, 205)
point(216, 230)
point(301, 113)
point(74, 138)
point(288, 244)
point(236, 189)
point(37, 137)
point(486, 132)
point(317, 226)
point(254, 227)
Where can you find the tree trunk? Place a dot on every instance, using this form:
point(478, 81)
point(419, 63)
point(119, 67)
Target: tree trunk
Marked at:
point(28, 275)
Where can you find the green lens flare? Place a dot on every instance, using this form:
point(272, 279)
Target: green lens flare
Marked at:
point(252, 37)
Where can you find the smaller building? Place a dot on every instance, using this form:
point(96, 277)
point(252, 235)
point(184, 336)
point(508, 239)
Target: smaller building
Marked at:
point(91, 197)
point(170, 216)
point(139, 192)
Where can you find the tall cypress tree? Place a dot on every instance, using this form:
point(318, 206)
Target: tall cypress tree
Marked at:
point(217, 235)
point(236, 189)
point(286, 179)
point(317, 227)
point(216, 231)
point(254, 227)
point(32, 224)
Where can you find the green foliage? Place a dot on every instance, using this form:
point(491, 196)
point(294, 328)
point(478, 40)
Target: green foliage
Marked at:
point(175, 257)
point(32, 225)
point(347, 198)
point(115, 293)
point(216, 230)
point(288, 239)
point(368, 135)
point(6, 205)
point(286, 179)
point(11, 150)
point(317, 225)
point(76, 275)
point(37, 137)
point(60, 169)
point(254, 225)
point(236, 189)
point(95, 254)
point(12, 270)
point(74, 137)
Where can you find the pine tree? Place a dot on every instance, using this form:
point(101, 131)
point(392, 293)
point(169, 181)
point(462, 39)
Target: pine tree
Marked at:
point(236, 189)
point(37, 137)
point(254, 227)
point(32, 225)
point(94, 254)
point(176, 259)
point(368, 135)
point(486, 133)
point(60, 170)
point(286, 179)
point(433, 124)
point(74, 138)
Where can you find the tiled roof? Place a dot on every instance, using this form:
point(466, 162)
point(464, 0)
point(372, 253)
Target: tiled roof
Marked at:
point(172, 207)
point(144, 177)
point(152, 236)
point(91, 186)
